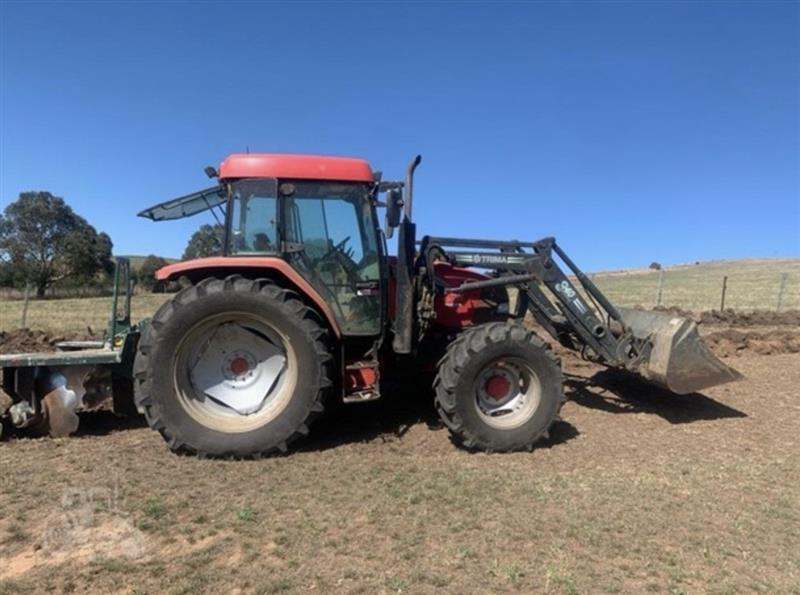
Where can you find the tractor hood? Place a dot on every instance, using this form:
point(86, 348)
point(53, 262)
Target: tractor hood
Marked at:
point(186, 206)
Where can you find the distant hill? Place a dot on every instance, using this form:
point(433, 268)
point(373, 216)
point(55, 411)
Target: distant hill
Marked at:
point(713, 265)
point(136, 261)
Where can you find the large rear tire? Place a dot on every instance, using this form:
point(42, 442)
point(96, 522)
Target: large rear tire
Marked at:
point(499, 388)
point(233, 368)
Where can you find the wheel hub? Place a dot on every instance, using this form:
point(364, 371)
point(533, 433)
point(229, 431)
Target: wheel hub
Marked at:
point(507, 393)
point(240, 366)
point(237, 368)
point(497, 387)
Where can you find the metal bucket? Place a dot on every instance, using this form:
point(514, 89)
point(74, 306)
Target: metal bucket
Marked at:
point(679, 360)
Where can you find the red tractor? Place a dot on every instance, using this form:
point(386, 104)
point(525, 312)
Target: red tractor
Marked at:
point(305, 306)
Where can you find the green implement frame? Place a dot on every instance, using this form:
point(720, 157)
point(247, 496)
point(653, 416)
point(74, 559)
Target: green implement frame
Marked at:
point(48, 389)
point(111, 350)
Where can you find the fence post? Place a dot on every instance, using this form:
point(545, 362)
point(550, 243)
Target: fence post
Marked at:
point(781, 288)
point(724, 289)
point(660, 286)
point(25, 305)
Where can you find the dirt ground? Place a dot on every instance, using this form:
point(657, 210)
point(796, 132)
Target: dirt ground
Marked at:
point(31, 341)
point(635, 491)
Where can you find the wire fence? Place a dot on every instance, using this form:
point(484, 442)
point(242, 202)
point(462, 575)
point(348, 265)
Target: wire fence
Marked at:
point(744, 289)
point(60, 293)
point(10, 293)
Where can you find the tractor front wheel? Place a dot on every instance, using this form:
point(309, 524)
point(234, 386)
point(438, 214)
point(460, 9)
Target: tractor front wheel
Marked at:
point(233, 367)
point(499, 388)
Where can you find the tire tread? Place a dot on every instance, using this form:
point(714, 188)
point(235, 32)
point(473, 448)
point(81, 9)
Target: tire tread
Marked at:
point(291, 304)
point(459, 353)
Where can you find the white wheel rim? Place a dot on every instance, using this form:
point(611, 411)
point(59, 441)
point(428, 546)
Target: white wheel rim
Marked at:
point(507, 393)
point(234, 372)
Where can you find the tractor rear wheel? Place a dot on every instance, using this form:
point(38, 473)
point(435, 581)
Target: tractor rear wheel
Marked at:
point(233, 368)
point(499, 388)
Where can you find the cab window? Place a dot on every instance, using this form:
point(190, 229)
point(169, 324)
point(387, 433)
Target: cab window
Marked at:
point(254, 217)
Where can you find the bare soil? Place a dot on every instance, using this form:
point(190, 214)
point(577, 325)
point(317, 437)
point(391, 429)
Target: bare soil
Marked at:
point(732, 342)
point(636, 490)
point(755, 318)
point(33, 341)
point(737, 318)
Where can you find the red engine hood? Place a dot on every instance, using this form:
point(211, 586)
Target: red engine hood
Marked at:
point(458, 310)
point(454, 276)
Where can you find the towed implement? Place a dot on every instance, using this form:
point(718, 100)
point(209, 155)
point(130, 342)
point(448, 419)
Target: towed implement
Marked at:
point(305, 306)
point(44, 392)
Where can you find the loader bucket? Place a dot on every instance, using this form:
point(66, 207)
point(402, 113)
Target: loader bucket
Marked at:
point(679, 360)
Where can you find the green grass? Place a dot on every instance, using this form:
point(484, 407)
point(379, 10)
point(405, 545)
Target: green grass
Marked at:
point(247, 514)
point(154, 509)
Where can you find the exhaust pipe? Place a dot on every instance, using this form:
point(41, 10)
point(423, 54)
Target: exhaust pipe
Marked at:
point(403, 341)
point(409, 194)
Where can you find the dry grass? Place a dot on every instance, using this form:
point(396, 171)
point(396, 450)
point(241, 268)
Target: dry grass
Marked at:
point(694, 495)
point(71, 316)
point(752, 285)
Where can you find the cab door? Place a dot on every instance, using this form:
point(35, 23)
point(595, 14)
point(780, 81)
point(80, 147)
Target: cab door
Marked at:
point(331, 238)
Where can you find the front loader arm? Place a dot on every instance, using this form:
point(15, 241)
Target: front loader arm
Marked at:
point(530, 265)
point(663, 349)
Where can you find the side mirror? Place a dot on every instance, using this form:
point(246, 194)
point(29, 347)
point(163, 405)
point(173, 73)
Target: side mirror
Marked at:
point(394, 210)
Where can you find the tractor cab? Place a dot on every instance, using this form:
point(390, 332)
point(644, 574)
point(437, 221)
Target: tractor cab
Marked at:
point(315, 213)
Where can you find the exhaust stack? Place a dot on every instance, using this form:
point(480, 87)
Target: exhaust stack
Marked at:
point(409, 185)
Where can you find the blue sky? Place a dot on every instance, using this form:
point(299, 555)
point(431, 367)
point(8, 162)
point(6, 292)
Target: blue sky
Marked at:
point(633, 132)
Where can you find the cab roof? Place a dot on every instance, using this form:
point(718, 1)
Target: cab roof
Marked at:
point(303, 167)
point(262, 165)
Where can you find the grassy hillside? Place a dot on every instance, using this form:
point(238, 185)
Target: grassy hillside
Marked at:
point(137, 260)
point(752, 284)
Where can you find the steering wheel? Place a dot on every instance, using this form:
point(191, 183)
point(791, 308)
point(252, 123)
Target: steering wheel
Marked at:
point(350, 268)
point(336, 248)
point(259, 235)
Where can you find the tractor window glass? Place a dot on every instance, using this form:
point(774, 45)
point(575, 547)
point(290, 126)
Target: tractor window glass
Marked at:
point(334, 245)
point(254, 217)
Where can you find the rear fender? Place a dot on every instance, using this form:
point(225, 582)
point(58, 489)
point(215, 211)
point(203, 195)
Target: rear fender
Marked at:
point(252, 267)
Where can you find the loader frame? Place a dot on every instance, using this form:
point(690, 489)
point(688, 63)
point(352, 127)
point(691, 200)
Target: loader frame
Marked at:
point(532, 268)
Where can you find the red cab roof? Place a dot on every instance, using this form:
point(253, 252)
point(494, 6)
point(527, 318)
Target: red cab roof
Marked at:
point(308, 167)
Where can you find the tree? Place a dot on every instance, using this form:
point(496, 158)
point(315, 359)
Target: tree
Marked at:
point(44, 241)
point(147, 272)
point(206, 241)
point(105, 249)
point(6, 274)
